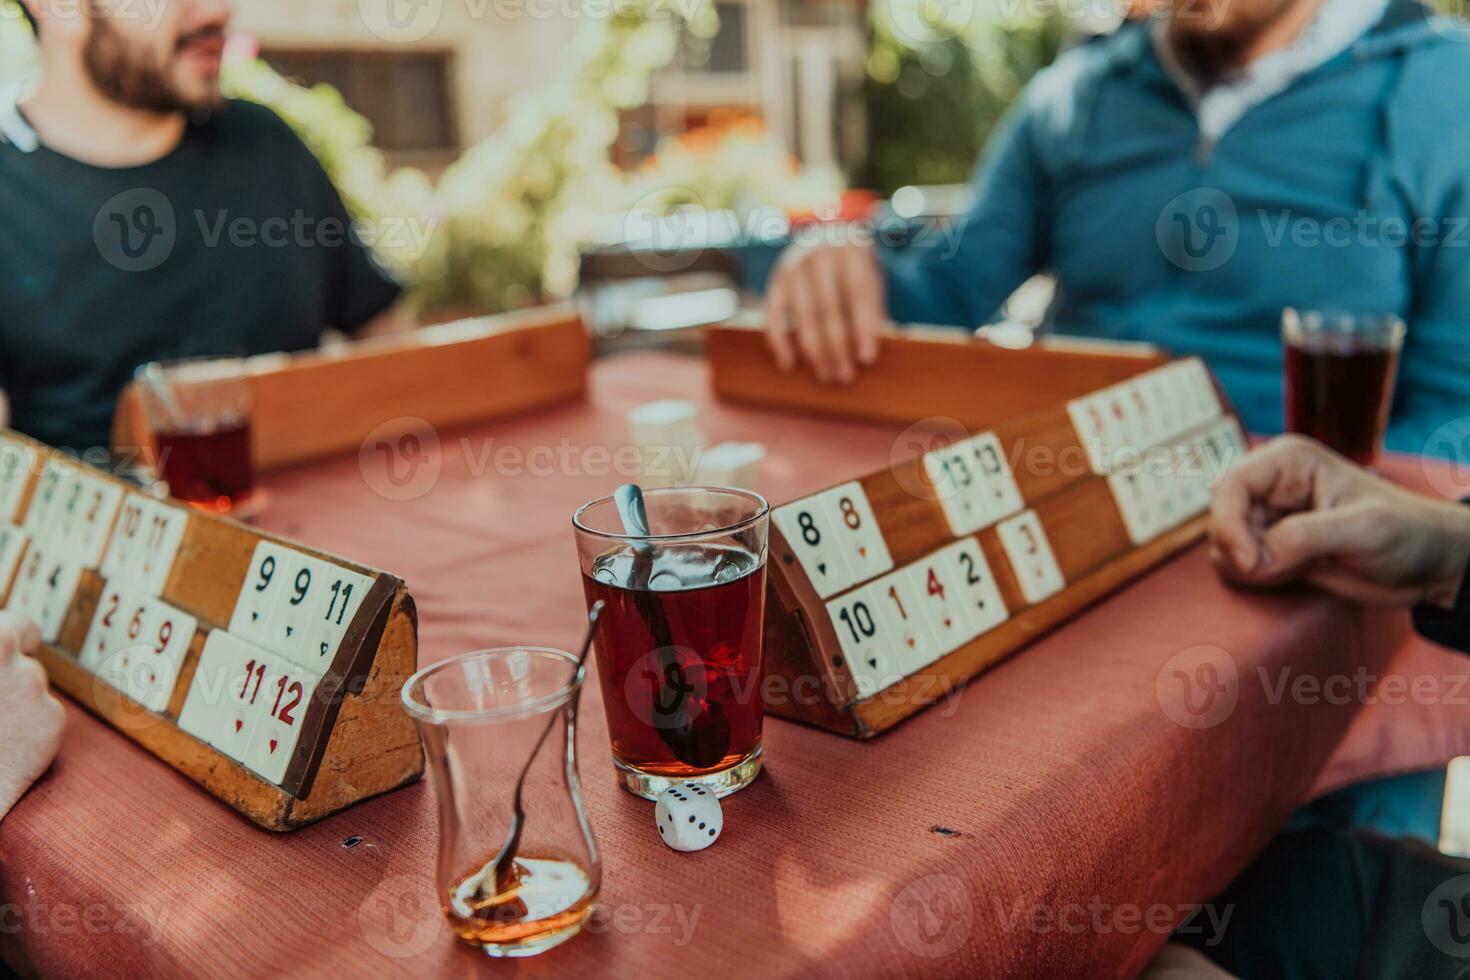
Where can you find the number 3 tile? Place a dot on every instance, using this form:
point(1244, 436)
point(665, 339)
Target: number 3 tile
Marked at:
point(1031, 557)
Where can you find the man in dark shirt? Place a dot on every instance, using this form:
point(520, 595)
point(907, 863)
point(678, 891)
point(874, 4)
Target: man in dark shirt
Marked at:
point(142, 218)
point(1336, 901)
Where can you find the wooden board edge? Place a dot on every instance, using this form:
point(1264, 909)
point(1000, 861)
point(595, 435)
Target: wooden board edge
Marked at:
point(374, 746)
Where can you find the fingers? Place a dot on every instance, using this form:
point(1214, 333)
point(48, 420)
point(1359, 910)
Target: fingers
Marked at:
point(807, 325)
point(837, 341)
point(1277, 476)
point(25, 634)
point(825, 305)
point(1295, 546)
point(863, 282)
point(779, 325)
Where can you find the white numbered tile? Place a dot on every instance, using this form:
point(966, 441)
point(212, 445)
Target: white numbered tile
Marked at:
point(982, 600)
point(101, 642)
point(1172, 419)
point(215, 689)
point(1202, 389)
point(951, 472)
point(994, 479)
point(286, 695)
point(1122, 441)
point(157, 546)
point(1145, 415)
point(1087, 419)
point(44, 502)
point(807, 531)
point(52, 596)
point(1194, 481)
point(92, 527)
point(1160, 484)
point(1031, 557)
point(27, 579)
point(337, 603)
point(294, 617)
point(126, 538)
point(941, 601)
point(17, 463)
point(264, 583)
point(157, 653)
point(855, 529)
point(857, 619)
point(13, 542)
point(1131, 493)
point(227, 694)
point(905, 622)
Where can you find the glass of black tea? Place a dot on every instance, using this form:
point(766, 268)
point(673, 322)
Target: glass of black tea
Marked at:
point(1339, 378)
point(199, 413)
point(679, 647)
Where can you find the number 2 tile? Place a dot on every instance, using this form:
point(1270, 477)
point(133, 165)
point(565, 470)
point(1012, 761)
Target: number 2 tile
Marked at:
point(938, 594)
point(981, 598)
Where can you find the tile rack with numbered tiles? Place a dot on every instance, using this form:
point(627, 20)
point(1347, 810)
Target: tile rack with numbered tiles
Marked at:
point(267, 673)
point(890, 591)
point(446, 375)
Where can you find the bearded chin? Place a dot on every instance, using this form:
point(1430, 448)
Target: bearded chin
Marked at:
point(129, 77)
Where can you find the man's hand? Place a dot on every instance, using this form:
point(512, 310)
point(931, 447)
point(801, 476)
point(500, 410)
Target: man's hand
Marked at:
point(30, 718)
point(1295, 510)
point(826, 304)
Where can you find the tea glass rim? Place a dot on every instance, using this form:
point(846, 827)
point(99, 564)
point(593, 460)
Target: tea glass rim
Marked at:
point(421, 711)
point(762, 511)
point(171, 366)
point(1297, 322)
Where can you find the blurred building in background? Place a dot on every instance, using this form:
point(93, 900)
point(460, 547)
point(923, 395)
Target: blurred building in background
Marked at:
point(795, 64)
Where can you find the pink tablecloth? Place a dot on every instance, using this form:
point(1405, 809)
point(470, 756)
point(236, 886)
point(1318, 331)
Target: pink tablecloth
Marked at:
point(1053, 820)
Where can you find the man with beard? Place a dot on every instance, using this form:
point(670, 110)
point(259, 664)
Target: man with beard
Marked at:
point(143, 217)
point(1186, 180)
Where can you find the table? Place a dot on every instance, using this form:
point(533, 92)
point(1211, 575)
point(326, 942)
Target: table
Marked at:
point(1051, 820)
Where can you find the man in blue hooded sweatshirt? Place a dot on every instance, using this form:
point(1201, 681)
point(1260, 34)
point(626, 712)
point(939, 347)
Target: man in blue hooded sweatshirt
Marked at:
point(1186, 180)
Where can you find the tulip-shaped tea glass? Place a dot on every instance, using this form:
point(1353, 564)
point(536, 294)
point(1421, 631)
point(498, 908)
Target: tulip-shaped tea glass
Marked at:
point(679, 645)
point(481, 716)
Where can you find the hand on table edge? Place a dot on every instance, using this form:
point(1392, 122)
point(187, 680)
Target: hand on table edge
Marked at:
point(1294, 510)
point(31, 719)
point(826, 306)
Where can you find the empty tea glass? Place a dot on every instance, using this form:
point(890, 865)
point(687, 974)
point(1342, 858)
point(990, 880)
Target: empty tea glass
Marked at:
point(481, 716)
point(679, 647)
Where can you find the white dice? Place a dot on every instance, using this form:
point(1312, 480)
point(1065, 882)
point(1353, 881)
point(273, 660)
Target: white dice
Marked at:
point(689, 817)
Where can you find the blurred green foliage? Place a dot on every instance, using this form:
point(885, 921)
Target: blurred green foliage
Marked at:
point(932, 98)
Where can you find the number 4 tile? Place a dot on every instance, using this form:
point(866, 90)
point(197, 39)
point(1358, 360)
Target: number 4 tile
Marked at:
point(939, 595)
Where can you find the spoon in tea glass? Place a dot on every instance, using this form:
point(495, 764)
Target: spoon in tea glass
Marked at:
point(505, 877)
